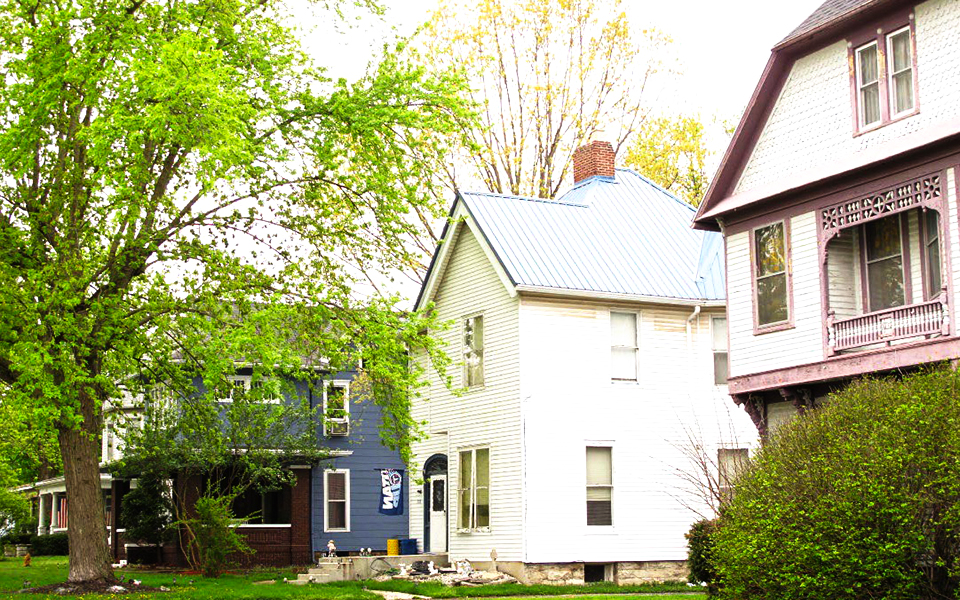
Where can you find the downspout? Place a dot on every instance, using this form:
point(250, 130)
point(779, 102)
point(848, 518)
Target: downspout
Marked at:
point(693, 315)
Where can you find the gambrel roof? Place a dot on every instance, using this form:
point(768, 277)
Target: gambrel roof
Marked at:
point(607, 237)
point(830, 22)
point(828, 12)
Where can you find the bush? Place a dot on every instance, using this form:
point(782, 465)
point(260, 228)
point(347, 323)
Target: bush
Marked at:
point(146, 511)
point(859, 499)
point(700, 544)
point(54, 544)
point(212, 536)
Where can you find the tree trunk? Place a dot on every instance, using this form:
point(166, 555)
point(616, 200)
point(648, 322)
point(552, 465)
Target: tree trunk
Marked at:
point(89, 553)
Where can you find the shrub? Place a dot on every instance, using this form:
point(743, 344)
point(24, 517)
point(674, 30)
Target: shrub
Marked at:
point(146, 511)
point(858, 499)
point(54, 544)
point(212, 535)
point(700, 554)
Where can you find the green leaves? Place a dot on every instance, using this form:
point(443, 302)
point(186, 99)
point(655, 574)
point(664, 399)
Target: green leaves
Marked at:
point(855, 499)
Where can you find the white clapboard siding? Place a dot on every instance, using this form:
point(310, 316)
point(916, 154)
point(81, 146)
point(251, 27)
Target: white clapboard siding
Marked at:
point(843, 272)
point(954, 245)
point(812, 120)
point(913, 242)
point(487, 417)
point(570, 402)
point(802, 344)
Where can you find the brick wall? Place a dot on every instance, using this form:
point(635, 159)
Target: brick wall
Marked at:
point(593, 158)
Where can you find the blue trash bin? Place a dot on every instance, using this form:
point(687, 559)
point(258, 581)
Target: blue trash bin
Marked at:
point(408, 546)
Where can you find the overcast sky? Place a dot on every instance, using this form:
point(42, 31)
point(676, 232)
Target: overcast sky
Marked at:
point(722, 45)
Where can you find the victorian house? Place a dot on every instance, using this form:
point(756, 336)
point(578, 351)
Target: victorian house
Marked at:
point(837, 201)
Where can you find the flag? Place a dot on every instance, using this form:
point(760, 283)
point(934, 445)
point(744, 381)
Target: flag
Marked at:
point(391, 491)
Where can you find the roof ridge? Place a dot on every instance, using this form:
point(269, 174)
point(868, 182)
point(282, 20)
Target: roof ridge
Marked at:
point(658, 187)
point(524, 198)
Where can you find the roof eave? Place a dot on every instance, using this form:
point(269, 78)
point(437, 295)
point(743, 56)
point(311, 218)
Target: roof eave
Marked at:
point(595, 295)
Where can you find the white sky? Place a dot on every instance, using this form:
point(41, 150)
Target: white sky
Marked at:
point(722, 45)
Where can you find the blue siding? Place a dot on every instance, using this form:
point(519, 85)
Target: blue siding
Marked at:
point(368, 528)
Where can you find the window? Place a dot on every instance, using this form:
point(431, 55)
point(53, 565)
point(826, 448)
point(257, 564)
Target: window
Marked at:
point(336, 408)
point(884, 263)
point(235, 388)
point(718, 327)
point(599, 485)
point(474, 494)
point(264, 508)
point(885, 91)
point(900, 68)
point(473, 350)
point(931, 254)
point(770, 272)
point(623, 346)
point(868, 84)
point(336, 494)
point(730, 463)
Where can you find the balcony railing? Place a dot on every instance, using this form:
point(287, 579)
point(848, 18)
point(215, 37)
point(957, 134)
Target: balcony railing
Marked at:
point(916, 320)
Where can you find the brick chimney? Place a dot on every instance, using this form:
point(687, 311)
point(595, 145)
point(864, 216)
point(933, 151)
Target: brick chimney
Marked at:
point(593, 158)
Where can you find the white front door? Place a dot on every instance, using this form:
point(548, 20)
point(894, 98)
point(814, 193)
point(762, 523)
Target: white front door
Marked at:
point(438, 513)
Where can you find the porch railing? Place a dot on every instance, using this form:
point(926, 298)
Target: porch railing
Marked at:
point(916, 320)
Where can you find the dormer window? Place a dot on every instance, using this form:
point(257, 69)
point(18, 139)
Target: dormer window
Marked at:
point(885, 84)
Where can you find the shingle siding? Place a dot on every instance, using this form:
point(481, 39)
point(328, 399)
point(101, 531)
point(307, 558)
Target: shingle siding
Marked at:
point(811, 124)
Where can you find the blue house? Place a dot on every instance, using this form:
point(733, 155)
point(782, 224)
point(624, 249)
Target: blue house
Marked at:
point(359, 497)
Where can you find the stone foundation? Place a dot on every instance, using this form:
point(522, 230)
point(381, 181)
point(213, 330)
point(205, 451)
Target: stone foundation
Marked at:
point(623, 573)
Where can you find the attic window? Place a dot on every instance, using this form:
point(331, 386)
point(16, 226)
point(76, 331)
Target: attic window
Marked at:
point(884, 73)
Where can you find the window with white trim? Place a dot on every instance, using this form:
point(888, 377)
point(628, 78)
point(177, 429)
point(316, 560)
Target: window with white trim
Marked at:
point(868, 84)
point(624, 346)
point(473, 351)
point(474, 492)
point(900, 72)
point(718, 332)
point(235, 388)
point(336, 408)
point(730, 464)
point(336, 497)
point(599, 485)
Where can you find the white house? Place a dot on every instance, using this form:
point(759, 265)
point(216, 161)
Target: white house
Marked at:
point(837, 200)
point(592, 335)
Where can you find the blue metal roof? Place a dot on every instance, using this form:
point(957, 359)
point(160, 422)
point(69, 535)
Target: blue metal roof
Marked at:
point(622, 235)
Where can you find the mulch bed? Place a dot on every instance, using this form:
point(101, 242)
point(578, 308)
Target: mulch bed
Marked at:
point(91, 587)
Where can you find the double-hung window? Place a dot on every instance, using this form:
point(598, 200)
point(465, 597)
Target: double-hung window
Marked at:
point(718, 327)
point(900, 68)
point(884, 263)
point(931, 254)
point(599, 485)
point(336, 408)
point(474, 493)
point(473, 350)
point(885, 81)
point(730, 463)
point(336, 494)
point(236, 388)
point(770, 275)
point(623, 346)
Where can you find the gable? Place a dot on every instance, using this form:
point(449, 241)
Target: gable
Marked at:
point(461, 228)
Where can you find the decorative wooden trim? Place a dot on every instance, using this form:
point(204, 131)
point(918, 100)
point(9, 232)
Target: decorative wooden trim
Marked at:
point(849, 365)
point(787, 248)
point(905, 263)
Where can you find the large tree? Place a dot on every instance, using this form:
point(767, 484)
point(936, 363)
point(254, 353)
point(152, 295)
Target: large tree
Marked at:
point(547, 76)
point(672, 152)
point(166, 168)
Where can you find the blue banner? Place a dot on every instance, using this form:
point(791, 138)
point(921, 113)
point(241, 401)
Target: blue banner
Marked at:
point(391, 491)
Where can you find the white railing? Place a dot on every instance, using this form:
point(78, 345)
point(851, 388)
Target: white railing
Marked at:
point(929, 318)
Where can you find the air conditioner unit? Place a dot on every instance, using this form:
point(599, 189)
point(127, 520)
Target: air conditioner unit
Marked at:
point(337, 428)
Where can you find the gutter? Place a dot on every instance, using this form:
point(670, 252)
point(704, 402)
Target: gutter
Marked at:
point(592, 295)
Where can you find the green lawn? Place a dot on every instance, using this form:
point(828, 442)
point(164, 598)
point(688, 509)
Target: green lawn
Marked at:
point(53, 569)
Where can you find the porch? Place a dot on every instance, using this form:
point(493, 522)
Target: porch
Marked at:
point(885, 269)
